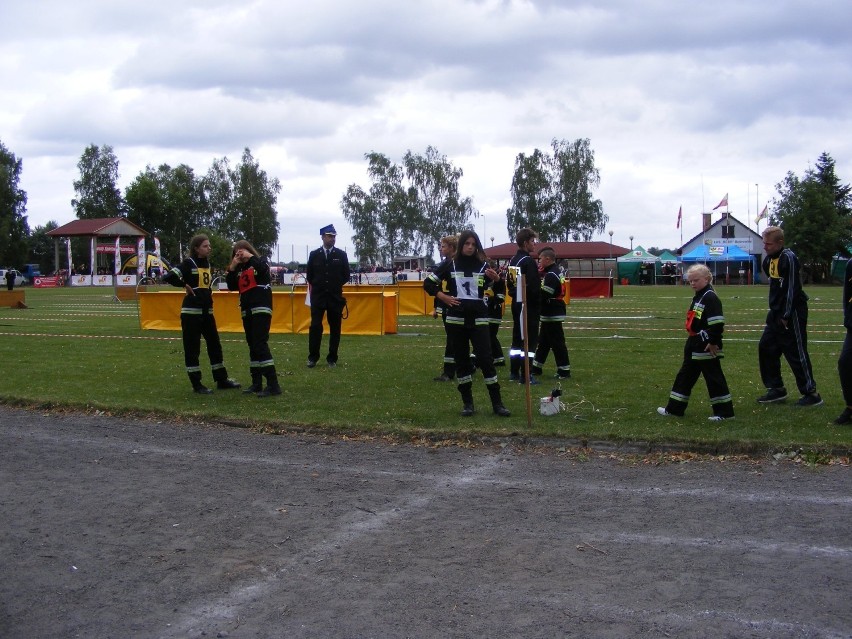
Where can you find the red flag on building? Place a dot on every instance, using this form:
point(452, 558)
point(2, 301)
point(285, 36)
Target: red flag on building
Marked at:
point(724, 202)
point(679, 216)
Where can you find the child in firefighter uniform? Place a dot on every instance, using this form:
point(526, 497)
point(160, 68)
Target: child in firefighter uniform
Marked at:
point(523, 264)
point(703, 350)
point(495, 297)
point(449, 244)
point(196, 315)
point(467, 276)
point(551, 334)
point(249, 274)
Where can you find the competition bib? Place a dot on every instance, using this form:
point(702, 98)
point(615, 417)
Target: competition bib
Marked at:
point(204, 277)
point(247, 280)
point(467, 286)
point(773, 269)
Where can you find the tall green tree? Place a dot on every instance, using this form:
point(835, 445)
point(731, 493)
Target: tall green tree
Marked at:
point(219, 188)
point(579, 215)
point(442, 210)
point(168, 203)
point(256, 197)
point(815, 214)
point(532, 198)
point(385, 218)
point(42, 248)
point(96, 192)
point(14, 229)
point(242, 202)
point(361, 211)
point(826, 174)
point(553, 194)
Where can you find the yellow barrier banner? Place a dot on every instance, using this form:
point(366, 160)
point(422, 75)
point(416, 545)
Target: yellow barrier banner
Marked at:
point(413, 300)
point(370, 312)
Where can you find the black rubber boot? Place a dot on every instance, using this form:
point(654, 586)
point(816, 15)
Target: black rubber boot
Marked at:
point(197, 386)
point(272, 386)
point(466, 391)
point(256, 382)
point(497, 401)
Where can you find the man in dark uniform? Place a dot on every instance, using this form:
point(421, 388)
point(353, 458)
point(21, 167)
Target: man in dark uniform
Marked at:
point(785, 332)
point(523, 264)
point(10, 279)
point(328, 271)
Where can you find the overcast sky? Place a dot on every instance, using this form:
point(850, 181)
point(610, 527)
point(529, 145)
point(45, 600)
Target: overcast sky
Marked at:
point(683, 102)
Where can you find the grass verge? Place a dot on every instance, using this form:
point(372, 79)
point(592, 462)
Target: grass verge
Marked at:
point(77, 348)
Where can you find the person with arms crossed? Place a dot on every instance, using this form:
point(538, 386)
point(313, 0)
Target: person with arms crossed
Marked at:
point(328, 271)
point(785, 332)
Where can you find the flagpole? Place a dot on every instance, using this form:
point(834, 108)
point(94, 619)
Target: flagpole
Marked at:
point(757, 204)
point(703, 208)
point(748, 206)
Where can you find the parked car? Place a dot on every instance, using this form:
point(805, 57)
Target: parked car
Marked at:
point(20, 280)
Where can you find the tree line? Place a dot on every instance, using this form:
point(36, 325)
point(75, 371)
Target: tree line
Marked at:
point(404, 209)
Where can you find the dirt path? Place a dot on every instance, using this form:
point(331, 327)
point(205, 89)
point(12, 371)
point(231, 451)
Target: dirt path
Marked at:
point(124, 528)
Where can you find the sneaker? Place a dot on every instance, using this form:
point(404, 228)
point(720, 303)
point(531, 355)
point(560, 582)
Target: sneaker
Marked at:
point(662, 411)
point(718, 418)
point(845, 417)
point(332, 364)
point(773, 395)
point(811, 399)
point(311, 363)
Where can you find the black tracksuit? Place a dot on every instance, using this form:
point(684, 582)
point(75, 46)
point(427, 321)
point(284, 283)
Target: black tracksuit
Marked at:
point(253, 280)
point(196, 318)
point(788, 302)
point(705, 324)
point(523, 264)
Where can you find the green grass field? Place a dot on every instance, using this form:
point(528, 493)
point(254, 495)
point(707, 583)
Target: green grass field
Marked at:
point(76, 347)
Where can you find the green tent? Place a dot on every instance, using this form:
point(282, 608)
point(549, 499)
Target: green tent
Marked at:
point(667, 257)
point(632, 264)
